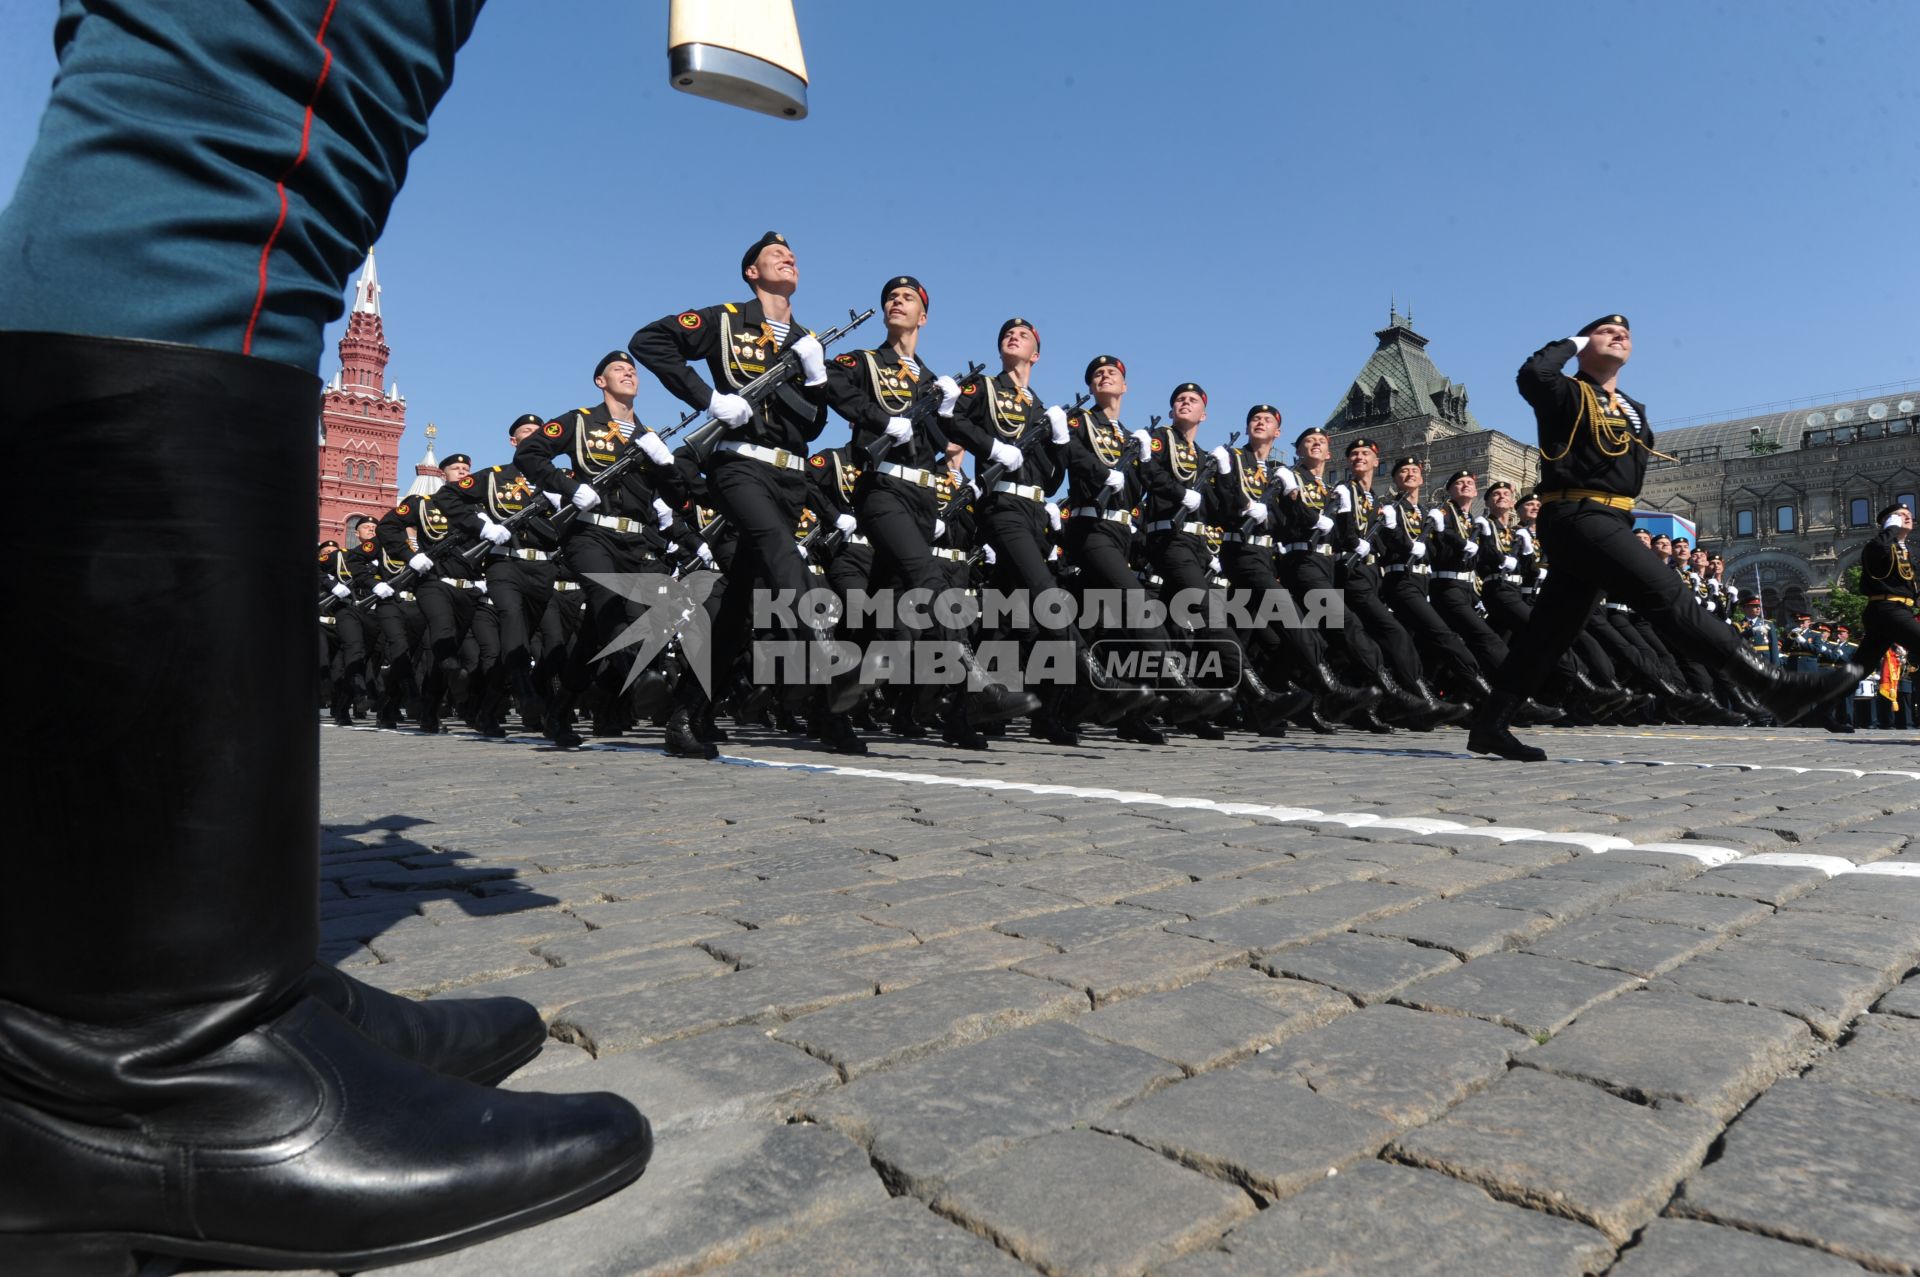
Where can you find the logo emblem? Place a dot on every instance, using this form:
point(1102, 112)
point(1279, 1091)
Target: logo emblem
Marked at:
point(690, 320)
point(554, 430)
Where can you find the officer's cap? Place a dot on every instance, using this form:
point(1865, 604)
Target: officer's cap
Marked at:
point(1605, 319)
point(1259, 408)
point(1098, 362)
point(1748, 597)
point(905, 281)
point(525, 419)
point(1458, 475)
point(1842, 626)
point(329, 545)
point(612, 357)
point(455, 459)
point(752, 254)
point(1823, 625)
point(1018, 322)
point(1182, 388)
point(1803, 616)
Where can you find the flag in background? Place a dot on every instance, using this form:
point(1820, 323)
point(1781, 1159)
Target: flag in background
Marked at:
point(1890, 677)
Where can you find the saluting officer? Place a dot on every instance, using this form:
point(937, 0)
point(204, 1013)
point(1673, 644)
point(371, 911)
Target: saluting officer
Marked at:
point(1887, 579)
point(1594, 446)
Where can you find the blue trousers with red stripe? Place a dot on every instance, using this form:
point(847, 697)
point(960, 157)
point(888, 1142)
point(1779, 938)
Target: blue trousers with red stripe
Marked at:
point(210, 172)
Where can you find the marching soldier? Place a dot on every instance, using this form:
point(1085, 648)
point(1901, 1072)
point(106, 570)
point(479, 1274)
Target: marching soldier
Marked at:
point(1887, 579)
point(446, 599)
point(1594, 444)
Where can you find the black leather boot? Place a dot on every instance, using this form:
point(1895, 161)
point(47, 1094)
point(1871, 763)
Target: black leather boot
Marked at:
point(480, 1039)
point(1491, 732)
point(683, 738)
point(1790, 696)
point(168, 1086)
point(988, 701)
point(956, 726)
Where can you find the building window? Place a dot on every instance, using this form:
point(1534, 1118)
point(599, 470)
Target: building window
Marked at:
point(1857, 513)
point(1906, 499)
point(1743, 523)
point(1783, 518)
point(373, 473)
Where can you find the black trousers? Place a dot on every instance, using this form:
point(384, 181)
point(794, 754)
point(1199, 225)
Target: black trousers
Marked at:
point(1099, 549)
point(897, 517)
point(1181, 560)
point(1595, 551)
point(591, 551)
point(1017, 530)
point(1886, 623)
point(762, 504)
point(521, 592)
point(1416, 602)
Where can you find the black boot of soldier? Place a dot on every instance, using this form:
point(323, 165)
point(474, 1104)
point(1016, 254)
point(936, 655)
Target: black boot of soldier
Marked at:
point(168, 1086)
point(683, 738)
point(1789, 697)
point(480, 1039)
point(1491, 732)
point(956, 727)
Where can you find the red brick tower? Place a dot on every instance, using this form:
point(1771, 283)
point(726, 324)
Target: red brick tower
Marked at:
point(361, 420)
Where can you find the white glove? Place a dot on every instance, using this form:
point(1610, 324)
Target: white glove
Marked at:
point(1221, 458)
point(1894, 521)
point(1343, 500)
point(1389, 517)
point(800, 550)
point(341, 591)
point(1057, 418)
point(1363, 547)
point(1419, 550)
point(1509, 564)
point(1213, 564)
point(1257, 511)
point(1322, 525)
point(1524, 540)
point(1470, 549)
point(585, 498)
point(1289, 482)
point(1484, 525)
point(1436, 517)
point(1145, 441)
point(1114, 480)
point(657, 451)
point(1003, 454)
point(1190, 499)
point(704, 553)
point(939, 527)
point(730, 410)
point(992, 558)
point(662, 514)
point(846, 523)
point(420, 563)
point(494, 533)
point(382, 590)
point(480, 586)
point(1053, 515)
point(949, 394)
point(812, 357)
point(554, 499)
point(899, 429)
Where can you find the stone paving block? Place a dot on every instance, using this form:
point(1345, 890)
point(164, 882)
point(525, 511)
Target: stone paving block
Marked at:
point(1820, 1165)
point(452, 968)
point(629, 1021)
point(1891, 945)
point(1875, 895)
point(1567, 1148)
point(802, 943)
point(1451, 876)
point(1080, 1204)
point(706, 1197)
point(900, 1239)
point(633, 938)
point(1461, 929)
point(1297, 877)
point(554, 1055)
point(927, 1120)
point(1102, 884)
point(1532, 994)
point(1072, 928)
point(1671, 1048)
point(1767, 884)
point(1364, 967)
point(912, 890)
point(891, 969)
point(1745, 837)
point(1217, 895)
point(728, 1075)
point(1202, 863)
point(1633, 872)
point(1723, 914)
point(874, 1033)
point(1383, 1219)
point(1519, 855)
point(1689, 1248)
point(1253, 1126)
point(1407, 1066)
point(1207, 1024)
point(1825, 994)
point(1881, 1056)
point(969, 910)
point(1141, 963)
point(552, 989)
point(1558, 898)
point(768, 904)
point(1904, 1000)
point(1260, 929)
point(1631, 945)
point(674, 904)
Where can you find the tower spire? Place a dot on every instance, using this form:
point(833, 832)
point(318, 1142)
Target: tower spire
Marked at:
point(366, 293)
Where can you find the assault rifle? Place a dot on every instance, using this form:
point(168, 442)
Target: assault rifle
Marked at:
point(992, 473)
point(880, 446)
point(707, 433)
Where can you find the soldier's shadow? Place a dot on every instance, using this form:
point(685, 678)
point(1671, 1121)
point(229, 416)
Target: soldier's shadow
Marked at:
point(378, 880)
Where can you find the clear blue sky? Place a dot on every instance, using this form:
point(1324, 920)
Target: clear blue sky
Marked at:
point(1224, 192)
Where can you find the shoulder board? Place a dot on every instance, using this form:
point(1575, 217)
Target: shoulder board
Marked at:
point(731, 308)
point(496, 469)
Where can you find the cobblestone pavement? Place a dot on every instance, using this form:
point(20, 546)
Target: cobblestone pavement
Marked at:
point(1255, 1007)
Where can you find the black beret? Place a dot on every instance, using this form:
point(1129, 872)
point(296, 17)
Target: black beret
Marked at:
point(329, 545)
point(355, 520)
point(1363, 442)
point(905, 281)
point(613, 357)
point(1889, 512)
point(1259, 408)
point(1404, 462)
point(1713, 556)
point(1098, 362)
point(1498, 484)
point(455, 459)
point(1605, 319)
point(753, 250)
point(525, 419)
point(1307, 434)
point(1459, 474)
point(1018, 322)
